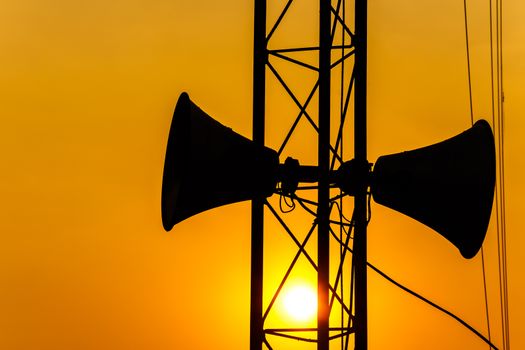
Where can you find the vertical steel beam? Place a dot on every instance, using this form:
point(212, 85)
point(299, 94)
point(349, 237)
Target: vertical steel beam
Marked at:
point(360, 247)
point(323, 239)
point(257, 238)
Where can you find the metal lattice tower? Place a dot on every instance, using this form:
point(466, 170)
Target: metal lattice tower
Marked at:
point(324, 106)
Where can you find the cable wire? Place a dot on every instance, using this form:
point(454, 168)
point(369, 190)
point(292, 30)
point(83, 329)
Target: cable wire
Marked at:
point(420, 297)
point(498, 123)
point(485, 292)
point(468, 61)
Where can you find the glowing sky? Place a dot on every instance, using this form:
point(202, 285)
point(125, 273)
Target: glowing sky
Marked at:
point(87, 90)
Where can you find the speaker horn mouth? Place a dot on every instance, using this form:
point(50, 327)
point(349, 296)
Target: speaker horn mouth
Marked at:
point(448, 186)
point(177, 140)
point(208, 165)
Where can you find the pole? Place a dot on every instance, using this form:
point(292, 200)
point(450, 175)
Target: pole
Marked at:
point(361, 317)
point(257, 238)
point(323, 238)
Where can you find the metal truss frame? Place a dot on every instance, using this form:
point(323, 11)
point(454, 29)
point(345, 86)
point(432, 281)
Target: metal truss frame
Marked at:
point(345, 293)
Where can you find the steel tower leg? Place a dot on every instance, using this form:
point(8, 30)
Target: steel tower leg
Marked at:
point(323, 213)
point(360, 250)
point(259, 86)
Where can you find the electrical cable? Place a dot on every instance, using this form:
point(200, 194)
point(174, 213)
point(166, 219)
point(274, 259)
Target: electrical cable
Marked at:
point(422, 298)
point(495, 123)
point(468, 62)
point(485, 292)
point(502, 164)
point(291, 205)
point(498, 123)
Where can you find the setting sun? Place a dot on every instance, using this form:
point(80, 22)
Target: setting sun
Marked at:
point(300, 302)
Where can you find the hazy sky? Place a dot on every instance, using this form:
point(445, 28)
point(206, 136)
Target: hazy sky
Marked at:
point(87, 91)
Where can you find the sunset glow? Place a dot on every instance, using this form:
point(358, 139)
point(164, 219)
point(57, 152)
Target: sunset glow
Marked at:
point(300, 302)
point(88, 90)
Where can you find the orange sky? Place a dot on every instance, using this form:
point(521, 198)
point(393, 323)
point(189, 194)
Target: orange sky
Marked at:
point(86, 97)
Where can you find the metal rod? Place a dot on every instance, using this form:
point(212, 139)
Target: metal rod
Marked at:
point(323, 244)
point(360, 246)
point(259, 89)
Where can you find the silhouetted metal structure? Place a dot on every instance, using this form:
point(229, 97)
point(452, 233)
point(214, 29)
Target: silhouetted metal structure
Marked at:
point(418, 183)
point(352, 44)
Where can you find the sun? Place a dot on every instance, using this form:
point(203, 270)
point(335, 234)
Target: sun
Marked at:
point(300, 302)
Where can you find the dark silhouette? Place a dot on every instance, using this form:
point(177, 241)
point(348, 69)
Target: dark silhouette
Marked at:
point(208, 165)
point(448, 186)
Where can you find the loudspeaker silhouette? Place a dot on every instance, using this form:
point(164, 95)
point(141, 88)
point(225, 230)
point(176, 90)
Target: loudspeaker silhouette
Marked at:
point(448, 186)
point(208, 165)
